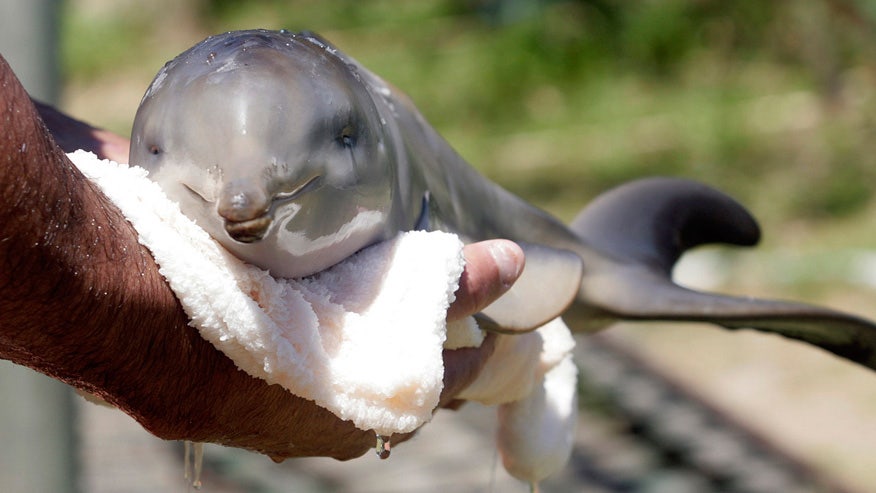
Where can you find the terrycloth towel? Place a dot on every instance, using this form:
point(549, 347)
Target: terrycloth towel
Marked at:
point(363, 338)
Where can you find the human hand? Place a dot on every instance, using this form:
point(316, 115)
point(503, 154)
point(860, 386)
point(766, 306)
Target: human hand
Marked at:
point(85, 303)
point(71, 134)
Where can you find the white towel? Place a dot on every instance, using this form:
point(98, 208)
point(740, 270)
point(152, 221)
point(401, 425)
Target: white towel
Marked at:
point(362, 339)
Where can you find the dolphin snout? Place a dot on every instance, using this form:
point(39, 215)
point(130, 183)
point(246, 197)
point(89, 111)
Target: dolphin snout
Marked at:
point(245, 207)
point(248, 209)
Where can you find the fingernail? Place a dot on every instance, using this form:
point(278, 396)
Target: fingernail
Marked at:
point(509, 260)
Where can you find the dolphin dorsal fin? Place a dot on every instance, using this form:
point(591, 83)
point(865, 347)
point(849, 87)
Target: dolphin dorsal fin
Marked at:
point(653, 221)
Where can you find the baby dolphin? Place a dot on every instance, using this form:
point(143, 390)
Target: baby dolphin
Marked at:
point(294, 156)
point(273, 146)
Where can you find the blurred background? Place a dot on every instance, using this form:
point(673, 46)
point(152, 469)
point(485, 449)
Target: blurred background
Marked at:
point(558, 100)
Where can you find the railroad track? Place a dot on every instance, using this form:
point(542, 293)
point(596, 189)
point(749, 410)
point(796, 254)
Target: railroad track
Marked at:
point(640, 432)
point(671, 439)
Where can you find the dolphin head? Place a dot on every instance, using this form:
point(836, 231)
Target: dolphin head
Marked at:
point(273, 144)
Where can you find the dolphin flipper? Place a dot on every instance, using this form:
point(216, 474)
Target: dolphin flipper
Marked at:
point(548, 285)
point(628, 275)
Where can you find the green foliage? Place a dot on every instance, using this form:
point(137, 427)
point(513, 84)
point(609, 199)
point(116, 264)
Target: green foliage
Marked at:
point(560, 99)
point(93, 45)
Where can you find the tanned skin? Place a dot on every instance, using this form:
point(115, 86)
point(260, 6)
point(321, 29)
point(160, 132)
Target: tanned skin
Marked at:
point(82, 301)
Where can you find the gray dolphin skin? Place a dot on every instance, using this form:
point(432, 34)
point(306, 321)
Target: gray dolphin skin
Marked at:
point(294, 156)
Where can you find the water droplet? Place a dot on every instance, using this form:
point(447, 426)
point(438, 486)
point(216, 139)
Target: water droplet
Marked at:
point(193, 461)
point(318, 42)
point(187, 465)
point(383, 447)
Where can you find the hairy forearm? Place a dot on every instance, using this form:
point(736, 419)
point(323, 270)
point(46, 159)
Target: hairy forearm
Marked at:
point(64, 253)
point(83, 302)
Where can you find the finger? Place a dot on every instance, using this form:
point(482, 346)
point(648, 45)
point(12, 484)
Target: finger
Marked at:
point(491, 267)
point(462, 366)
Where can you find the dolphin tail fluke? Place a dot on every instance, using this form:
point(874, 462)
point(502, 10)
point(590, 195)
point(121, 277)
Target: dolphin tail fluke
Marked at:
point(638, 231)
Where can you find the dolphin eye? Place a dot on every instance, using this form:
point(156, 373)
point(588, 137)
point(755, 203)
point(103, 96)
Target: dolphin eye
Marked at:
point(348, 136)
point(154, 150)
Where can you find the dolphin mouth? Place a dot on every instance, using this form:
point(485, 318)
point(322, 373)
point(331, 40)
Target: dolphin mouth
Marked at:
point(253, 230)
point(249, 231)
point(309, 185)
